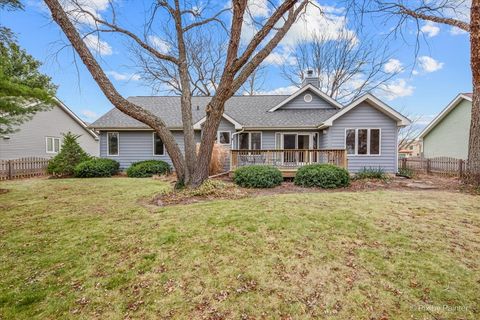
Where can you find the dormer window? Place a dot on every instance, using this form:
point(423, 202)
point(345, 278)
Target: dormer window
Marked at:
point(307, 97)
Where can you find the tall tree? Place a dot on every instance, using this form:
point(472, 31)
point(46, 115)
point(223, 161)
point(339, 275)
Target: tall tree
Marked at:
point(448, 12)
point(23, 89)
point(241, 59)
point(347, 66)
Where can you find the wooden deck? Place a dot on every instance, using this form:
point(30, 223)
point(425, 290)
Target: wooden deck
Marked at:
point(288, 161)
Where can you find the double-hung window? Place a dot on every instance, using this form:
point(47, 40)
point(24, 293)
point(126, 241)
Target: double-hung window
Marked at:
point(52, 144)
point(250, 141)
point(158, 147)
point(363, 141)
point(223, 137)
point(113, 141)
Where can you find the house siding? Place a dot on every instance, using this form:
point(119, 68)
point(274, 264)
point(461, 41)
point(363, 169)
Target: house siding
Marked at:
point(316, 103)
point(138, 146)
point(366, 116)
point(30, 139)
point(449, 138)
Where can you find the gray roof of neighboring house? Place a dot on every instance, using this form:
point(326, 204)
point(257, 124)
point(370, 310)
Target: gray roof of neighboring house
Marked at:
point(249, 111)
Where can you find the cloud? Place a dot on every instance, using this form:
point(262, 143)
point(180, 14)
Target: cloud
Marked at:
point(123, 76)
point(279, 91)
point(161, 45)
point(428, 64)
point(258, 8)
point(89, 115)
point(393, 66)
point(431, 29)
point(95, 7)
point(396, 89)
point(328, 21)
point(101, 47)
point(454, 31)
point(280, 58)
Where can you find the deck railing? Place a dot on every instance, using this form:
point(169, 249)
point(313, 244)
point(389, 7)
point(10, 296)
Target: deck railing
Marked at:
point(288, 158)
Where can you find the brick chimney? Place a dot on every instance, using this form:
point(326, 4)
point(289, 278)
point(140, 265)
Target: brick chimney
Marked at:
point(310, 78)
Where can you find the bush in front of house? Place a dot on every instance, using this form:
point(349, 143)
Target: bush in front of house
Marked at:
point(148, 168)
point(325, 176)
point(70, 155)
point(97, 167)
point(257, 176)
point(371, 173)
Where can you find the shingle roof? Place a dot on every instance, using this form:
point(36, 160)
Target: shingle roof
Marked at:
point(249, 111)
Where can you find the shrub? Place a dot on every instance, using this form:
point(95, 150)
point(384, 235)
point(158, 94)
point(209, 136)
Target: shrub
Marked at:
point(257, 176)
point(148, 168)
point(96, 167)
point(71, 154)
point(322, 175)
point(371, 173)
point(406, 172)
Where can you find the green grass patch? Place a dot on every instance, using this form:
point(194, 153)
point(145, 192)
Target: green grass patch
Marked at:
point(77, 248)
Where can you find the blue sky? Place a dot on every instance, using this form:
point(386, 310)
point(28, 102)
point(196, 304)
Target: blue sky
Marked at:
point(441, 68)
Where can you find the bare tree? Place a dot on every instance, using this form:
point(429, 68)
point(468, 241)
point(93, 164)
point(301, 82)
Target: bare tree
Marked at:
point(191, 169)
point(455, 13)
point(347, 66)
point(255, 82)
point(205, 58)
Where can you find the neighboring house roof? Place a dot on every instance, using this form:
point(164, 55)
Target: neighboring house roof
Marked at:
point(76, 118)
point(459, 98)
point(252, 112)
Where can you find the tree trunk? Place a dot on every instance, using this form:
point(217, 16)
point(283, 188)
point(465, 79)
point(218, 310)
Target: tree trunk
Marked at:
point(214, 116)
point(474, 142)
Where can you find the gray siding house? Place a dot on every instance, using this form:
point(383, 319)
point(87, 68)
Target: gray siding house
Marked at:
point(42, 136)
point(287, 131)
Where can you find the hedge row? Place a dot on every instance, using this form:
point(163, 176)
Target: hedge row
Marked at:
point(316, 175)
point(101, 167)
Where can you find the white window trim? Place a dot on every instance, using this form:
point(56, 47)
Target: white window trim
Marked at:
point(229, 135)
point(368, 142)
point(153, 146)
point(108, 144)
point(250, 139)
point(297, 133)
point(53, 144)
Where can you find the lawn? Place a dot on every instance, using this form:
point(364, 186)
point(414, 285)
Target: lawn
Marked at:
point(92, 249)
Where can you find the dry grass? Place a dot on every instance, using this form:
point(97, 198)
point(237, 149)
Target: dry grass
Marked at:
point(87, 249)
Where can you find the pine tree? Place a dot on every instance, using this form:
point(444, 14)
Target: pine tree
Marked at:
point(71, 154)
point(23, 89)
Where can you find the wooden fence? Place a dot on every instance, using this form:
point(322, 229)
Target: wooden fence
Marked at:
point(442, 165)
point(23, 168)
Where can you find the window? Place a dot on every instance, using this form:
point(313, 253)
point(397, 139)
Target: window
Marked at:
point(362, 141)
point(255, 140)
point(52, 144)
point(158, 147)
point(112, 143)
point(250, 141)
point(375, 141)
point(362, 147)
point(307, 98)
point(350, 141)
point(223, 137)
